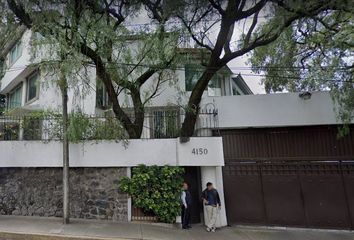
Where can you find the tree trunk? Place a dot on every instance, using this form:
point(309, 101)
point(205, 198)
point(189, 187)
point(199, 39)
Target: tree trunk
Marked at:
point(139, 113)
point(193, 107)
point(138, 123)
point(66, 190)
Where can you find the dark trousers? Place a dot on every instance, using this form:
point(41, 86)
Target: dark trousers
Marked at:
point(186, 216)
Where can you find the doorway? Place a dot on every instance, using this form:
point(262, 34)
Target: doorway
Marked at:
point(192, 177)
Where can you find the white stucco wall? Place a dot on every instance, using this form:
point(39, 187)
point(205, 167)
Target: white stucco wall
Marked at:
point(273, 110)
point(113, 154)
point(206, 152)
point(214, 175)
point(14, 72)
point(82, 91)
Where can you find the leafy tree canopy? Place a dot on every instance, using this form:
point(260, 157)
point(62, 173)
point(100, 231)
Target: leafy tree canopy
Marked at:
point(97, 31)
point(314, 53)
point(84, 34)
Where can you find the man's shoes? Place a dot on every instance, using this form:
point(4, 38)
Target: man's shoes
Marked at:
point(208, 229)
point(184, 227)
point(189, 226)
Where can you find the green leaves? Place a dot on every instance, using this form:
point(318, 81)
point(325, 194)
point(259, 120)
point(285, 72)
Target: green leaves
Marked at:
point(155, 189)
point(81, 127)
point(315, 53)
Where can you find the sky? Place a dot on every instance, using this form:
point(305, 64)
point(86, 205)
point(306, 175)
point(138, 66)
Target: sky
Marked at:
point(239, 65)
point(254, 82)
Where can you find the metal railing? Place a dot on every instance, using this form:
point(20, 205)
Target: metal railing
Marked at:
point(157, 124)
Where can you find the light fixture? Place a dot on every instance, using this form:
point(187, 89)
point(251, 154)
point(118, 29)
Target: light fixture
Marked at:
point(305, 95)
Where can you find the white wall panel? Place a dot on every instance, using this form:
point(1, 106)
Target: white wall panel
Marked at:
point(113, 154)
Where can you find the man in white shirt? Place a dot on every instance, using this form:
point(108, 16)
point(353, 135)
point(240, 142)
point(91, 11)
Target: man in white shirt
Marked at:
point(186, 199)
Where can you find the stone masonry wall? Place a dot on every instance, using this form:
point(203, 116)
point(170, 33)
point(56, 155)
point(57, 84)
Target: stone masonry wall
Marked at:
point(94, 193)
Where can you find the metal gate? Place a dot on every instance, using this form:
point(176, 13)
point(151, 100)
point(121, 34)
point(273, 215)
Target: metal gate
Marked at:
point(304, 187)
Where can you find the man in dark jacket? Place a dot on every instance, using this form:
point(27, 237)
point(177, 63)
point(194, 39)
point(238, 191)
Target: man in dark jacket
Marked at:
point(186, 199)
point(212, 205)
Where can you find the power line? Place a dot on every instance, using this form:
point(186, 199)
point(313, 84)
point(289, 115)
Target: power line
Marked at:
point(293, 77)
point(193, 21)
point(201, 70)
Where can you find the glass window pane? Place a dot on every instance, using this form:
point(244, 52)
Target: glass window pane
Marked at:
point(15, 53)
point(102, 99)
point(192, 75)
point(214, 86)
point(215, 82)
point(165, 124)
point(32, 87)
point(15, 98)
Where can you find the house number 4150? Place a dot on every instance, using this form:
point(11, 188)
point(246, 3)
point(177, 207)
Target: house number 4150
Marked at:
point(200, 151)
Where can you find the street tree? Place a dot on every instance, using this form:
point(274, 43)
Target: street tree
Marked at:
point(71, 37)
point(126, 58)
point(263, 22)
point(101, 36)
point(315, 53)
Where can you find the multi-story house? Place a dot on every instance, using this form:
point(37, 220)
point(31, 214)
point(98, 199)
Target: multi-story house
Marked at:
point(27, 89)
point(276, 159)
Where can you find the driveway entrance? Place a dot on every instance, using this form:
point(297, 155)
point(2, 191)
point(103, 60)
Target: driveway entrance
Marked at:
point(301, 176)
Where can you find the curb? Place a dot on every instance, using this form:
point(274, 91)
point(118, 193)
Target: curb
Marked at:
point(280, 228)
point(44, 236)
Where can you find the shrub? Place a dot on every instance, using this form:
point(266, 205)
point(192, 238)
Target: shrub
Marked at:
point(155, 189)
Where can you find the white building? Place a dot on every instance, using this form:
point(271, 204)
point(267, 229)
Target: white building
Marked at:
point(27, 89)
point(252, 159)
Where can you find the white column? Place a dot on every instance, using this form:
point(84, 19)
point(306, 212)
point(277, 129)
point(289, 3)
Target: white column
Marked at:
point(23, 102)
point(24, 92)
point(129, 202)
point(214, 175)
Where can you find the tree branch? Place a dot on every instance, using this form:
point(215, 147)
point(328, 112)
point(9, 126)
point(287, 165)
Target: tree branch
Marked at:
point(256, 8)
point(189, 29)
point(252, 27)
point(20, 12)
point(105, 78)
point(217, 7)
point(155, 7)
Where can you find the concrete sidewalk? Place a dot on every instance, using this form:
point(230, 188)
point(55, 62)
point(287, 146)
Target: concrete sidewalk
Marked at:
point(35, 228)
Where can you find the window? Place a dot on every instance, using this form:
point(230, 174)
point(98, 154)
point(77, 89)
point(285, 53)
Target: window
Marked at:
point(102, 100)
point(192, 74)
point(214, 86)
point(2, 67)
point(15, 98)
point(15, 53)
point(32, 86)
point(235, 92)
point(165, 124)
